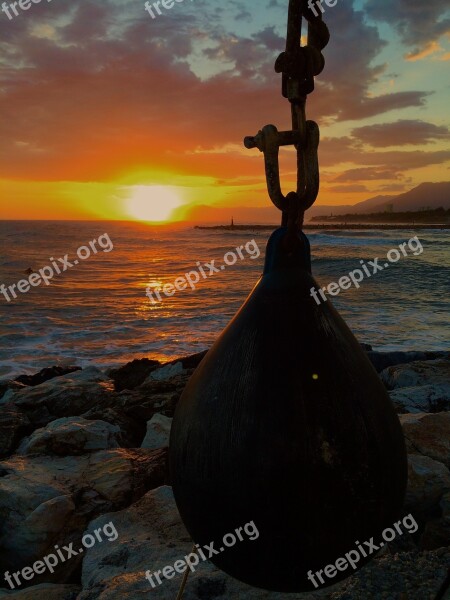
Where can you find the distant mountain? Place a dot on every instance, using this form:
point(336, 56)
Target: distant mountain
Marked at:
point(425, 195)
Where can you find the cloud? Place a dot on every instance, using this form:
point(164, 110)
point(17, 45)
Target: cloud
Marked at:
point(347, 189)
point(401, 133)
point(428, 50)
point(368, 174)
point(417, 23)
point(103, 89)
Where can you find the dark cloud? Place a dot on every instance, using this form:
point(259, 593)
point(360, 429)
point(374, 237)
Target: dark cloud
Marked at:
point(401, 133)
point(91, 89)
point(347, 189)
point(417, 23)
point(368, 174)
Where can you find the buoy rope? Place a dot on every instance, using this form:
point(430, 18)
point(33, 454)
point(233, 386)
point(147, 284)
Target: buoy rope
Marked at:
point(185, 578)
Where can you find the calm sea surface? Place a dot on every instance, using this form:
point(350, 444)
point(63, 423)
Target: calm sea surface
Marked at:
point(98, 313)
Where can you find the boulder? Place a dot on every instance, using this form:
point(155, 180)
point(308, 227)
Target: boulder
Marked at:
point(48, 500)
point(133, 373)
point(7, 389)
point(44, 591)
point(45, 375)
point(428, 481)
point(383, 360)
point(431, 398)
point(14, 424)
point(151, 537)
point(428, 434)
point(158, 432)
point(66, 396)
point(71, 436)
point(118, 570)
point(417, 373)
point(166, 372)
point(189, 362)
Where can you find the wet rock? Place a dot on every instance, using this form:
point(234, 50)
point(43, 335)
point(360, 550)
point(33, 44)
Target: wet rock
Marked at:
point(425, 398)
point(66, 396)
point(428, 434)
point(383, 360)
point(166, 372)
point(133, 373)
point(7, 389)
point(428, 481)
point(132, 430)
point(190, 362)
point(46, 374)
point(154, 397)
point(48, 500)
point(417, 373)
point(14, 424)
point(112, 571)
point(117, 570)
point(44, 591)
point(71, 436)
point(158, 432)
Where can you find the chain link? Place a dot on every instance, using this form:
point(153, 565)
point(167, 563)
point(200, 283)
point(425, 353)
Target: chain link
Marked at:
point(298, 65)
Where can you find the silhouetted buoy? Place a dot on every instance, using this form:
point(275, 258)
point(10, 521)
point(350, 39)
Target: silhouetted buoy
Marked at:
point(285, 423)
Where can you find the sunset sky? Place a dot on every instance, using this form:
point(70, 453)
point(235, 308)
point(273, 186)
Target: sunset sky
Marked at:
point(106, 113)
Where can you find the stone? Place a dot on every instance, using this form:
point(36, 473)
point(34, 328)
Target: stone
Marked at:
point(46, 374)
point(428, 434)
point(431, 398)
point(158, 432)
point(417, 373)
point(190, 362)
point(44, 591)
point(48, 500)
point(167, 372)
point(133, 373)
point(66, 396)
point(71, 436)
point(7, 389)
point(383, 360)
point(14, 424)
point(428, 481)
point(151, 537)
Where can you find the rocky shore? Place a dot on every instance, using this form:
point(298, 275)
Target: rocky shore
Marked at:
point(80, 448)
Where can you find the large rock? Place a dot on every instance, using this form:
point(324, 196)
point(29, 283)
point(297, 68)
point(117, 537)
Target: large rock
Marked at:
point(46, 374)
point(66, 396)
point(117, 570)
point(420, 386)
point(417, 373)
point(428, 434)
point(7, 389)
point(44, 591)
point(70, 436)
point(151, 537)
point(428, 481)
point(383, 360)
point(14, 424)
point(133, 373)
point(158, 432)
point(47, 500)
point(166, 372)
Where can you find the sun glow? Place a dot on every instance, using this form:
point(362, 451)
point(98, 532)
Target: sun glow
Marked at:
point(153, 203)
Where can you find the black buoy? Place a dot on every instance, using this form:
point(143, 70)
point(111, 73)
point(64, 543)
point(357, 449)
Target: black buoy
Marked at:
point(286, 423)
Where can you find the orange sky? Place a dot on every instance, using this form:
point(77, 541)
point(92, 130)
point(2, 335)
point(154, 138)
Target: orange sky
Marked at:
point(103, 107)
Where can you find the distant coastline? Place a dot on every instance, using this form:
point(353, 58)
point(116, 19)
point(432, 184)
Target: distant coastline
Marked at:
point(329, 226)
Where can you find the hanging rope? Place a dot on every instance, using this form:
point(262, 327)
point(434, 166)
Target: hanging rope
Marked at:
point(298, 65)
point(185, 578)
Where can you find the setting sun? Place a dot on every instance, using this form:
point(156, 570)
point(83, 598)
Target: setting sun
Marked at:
point(154, 203)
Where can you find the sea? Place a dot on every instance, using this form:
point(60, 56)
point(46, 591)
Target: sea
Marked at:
point(97, 312)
